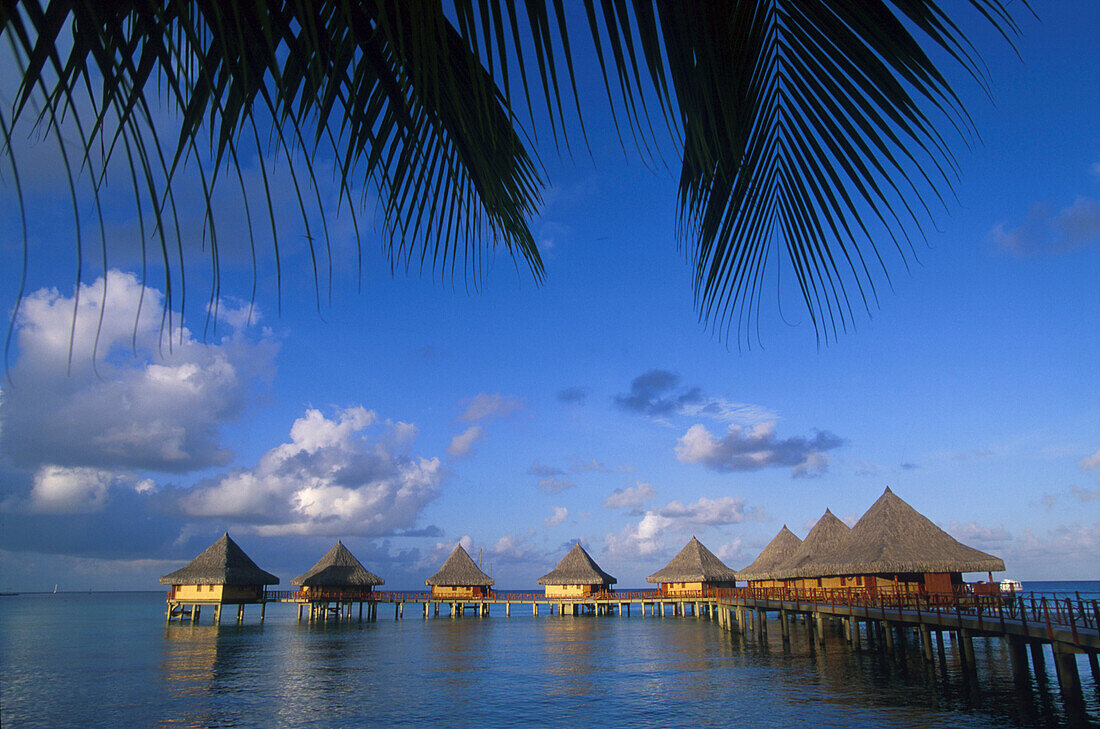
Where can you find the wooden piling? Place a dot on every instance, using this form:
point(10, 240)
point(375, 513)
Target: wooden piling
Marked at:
point(926, 643)
point(887, 636)
point(1065, 663)
point(1017, 651)
point(967, 641)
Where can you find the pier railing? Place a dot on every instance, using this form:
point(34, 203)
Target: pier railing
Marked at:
point(1051, 610)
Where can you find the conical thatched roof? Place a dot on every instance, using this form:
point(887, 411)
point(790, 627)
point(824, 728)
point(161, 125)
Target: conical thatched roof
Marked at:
point(459, 571)
point(777, 552)
point(694, 563)
point(892, 538)
point(821, 544)
point(338, 568)
point(577, 568)
point(222, 563)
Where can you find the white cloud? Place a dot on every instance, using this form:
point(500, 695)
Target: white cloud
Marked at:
point(730, 552)
point(558, 517)
point(330, 479)
point(631, 497)
point(60, 490)
point(130, 396)
point(462, 443)
point(675, 520)
point(708, 512)
point(749, 449)
point(1091, 463)
point(641, 540)
point(485, 406)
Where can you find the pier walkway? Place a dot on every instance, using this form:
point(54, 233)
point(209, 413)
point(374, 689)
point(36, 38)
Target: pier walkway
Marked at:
point(1068, 623)
point(879, 620)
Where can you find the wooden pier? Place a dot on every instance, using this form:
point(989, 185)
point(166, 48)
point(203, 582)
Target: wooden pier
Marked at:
point(881, 621)
point(1068, 624)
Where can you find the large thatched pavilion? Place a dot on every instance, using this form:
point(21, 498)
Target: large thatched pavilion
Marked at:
point(693, 570)
point(577, 575)
point(222, 574)
point(761, 572)
point(802, 568)
point(893, 547)
point(460, 578)
point(338, 575)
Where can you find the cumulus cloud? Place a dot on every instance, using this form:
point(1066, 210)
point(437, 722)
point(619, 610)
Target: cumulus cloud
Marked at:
point(676, 519)
point(1044, 231)
point(729, 552)
point(708, 512)
point(462, 443)
point(554, 485)
point(573, 395)
point(750, 449)
point(631, 497)
point(659, 394)
point(332, 478)
point(1091, 463)
point(641, 540)
point(558, 517)
point(484, 406)
point(63, 490)
point(130, 396)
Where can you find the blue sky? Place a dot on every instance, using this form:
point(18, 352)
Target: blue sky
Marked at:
point(406, 414)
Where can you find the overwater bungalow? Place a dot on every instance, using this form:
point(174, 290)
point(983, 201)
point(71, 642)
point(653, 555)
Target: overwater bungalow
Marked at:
point(894, 548)
point(222, 574)
point(336, 576)
point(695, 569)
point(802, 568)
point(459, 577)
point(577, 575)
point(761, 572)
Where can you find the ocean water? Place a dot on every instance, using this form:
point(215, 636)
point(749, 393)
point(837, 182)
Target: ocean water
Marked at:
point(109, 660)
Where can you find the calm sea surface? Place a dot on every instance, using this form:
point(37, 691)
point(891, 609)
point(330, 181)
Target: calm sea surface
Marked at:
point(108, 660)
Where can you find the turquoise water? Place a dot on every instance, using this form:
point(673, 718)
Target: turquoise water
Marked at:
point(108, 660)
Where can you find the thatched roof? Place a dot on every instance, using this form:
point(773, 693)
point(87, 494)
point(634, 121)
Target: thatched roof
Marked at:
point(338, 568)
point(577, 568)
point(222, 563)
point(777, 552)
point(694, 563)
point(459, 571)
point(821, 544)
point(893, 538)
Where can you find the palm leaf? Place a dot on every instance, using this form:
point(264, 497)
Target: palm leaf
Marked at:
point(809, 131)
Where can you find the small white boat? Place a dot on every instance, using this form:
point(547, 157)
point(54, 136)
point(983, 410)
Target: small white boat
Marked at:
point(1010, 586)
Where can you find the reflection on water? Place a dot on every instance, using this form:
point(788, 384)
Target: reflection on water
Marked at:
point(99, 662)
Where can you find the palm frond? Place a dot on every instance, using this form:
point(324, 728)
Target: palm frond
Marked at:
point(811, 131)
